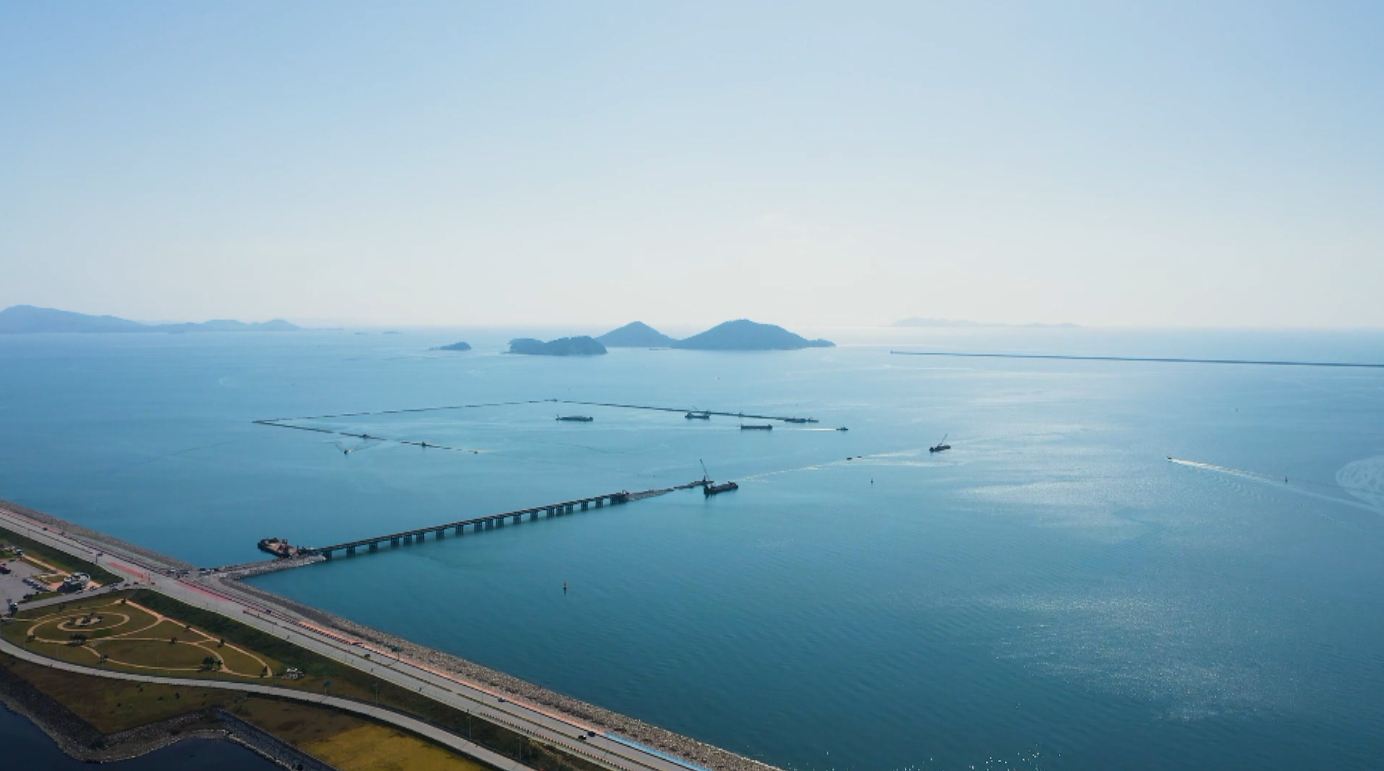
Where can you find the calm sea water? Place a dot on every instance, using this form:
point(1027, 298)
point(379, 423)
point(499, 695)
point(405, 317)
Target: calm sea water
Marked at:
point(1053, 593)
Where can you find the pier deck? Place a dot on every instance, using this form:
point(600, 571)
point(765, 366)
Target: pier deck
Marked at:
point(490, 521)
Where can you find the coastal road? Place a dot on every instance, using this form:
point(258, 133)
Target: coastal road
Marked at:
point(378, 714)
point(540, 723)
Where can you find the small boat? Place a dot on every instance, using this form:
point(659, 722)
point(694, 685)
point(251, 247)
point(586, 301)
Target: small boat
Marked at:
point(842, 428)
point(757, 427)
point(575, 418)
point(724, 487)
point(940, 446)
point(698, 416)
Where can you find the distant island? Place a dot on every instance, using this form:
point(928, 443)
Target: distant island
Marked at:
point(459, 345)
point(29, 319)
point(563, 346)
point(738, 335)
point(635, 334)
point(930, 322)
point(746, 335)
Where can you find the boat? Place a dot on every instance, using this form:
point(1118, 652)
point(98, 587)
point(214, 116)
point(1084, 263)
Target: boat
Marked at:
point(698, 416)
point(724, 487)
point(842, 428)
point(940, 446)
point(278, 547)
point(575, 418)
point(710, 488)
point(757, 427)
point(799, 420)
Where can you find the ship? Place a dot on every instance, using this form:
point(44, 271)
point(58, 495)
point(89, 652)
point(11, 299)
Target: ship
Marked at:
point(940, 446)
point(698, 416)
point(575, 418)
point(279, 547)
point(724, 487)
point(799, 420)
point(710, 488)
point(757, 427)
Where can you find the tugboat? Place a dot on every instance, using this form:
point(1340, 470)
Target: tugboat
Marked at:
point(756, 426)
point(575, 418)
point(698, 416)
point(940, 446)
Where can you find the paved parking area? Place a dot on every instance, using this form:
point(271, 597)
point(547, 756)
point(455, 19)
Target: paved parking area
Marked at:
point(12, 586)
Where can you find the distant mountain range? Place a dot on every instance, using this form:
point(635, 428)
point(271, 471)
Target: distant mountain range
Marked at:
point(739, 335)
point(927, 322)
point(27, 319)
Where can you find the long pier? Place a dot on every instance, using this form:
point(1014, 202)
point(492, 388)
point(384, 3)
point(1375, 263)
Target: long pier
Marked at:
point(489, 521)
point(752, 416)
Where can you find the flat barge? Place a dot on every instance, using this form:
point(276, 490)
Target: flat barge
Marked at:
point(279, 548)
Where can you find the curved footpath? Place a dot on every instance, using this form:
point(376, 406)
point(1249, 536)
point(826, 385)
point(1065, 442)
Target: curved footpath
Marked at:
point(548, 725)
point(395, 719)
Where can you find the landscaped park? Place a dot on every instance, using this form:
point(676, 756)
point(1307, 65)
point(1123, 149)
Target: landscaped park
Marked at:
point(118, 633)
point(143, 632)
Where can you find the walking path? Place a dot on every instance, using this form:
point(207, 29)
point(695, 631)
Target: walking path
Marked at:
point(379, 714)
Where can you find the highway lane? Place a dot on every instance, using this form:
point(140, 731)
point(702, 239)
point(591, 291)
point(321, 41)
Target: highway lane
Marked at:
point(380, 714)
point(535, 721)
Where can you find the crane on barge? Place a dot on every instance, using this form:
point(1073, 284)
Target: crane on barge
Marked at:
point(710, 488)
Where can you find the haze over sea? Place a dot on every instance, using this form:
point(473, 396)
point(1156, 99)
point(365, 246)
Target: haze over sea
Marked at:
point(1053, 593)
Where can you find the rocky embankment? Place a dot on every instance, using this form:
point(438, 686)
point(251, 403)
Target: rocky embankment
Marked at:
point(704, 754)
point(78, 739)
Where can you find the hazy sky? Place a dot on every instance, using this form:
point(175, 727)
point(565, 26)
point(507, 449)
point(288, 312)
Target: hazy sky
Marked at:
point(1207, 163)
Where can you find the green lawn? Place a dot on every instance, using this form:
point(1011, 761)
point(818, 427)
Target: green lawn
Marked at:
point(321, 675)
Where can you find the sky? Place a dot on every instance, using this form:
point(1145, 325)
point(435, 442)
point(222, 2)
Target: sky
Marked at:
point(810, 164)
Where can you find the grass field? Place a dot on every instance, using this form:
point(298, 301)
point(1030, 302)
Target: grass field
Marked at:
point(347, 742)
point(343, 741)
point(141, 644)
point(115, 632)
point(322, 675)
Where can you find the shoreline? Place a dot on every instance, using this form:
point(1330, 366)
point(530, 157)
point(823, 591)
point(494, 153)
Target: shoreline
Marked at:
point(698, 752)
point(80, 741)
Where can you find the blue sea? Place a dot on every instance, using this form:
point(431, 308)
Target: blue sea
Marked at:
point(1118, 565)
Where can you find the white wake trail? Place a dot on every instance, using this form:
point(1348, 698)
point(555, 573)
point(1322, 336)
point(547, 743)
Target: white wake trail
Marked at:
point(1263, 479)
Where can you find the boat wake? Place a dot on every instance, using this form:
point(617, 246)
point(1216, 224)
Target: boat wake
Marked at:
point(1284, 484)
point(1364, 479)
